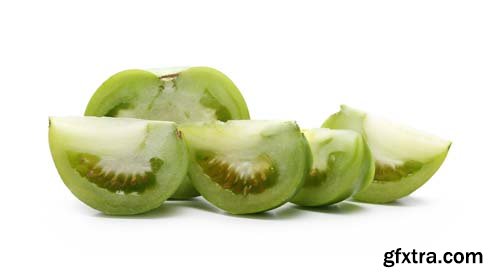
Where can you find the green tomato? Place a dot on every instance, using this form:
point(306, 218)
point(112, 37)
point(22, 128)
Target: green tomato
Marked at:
point(118, 166)
point(247, 166)
point(404, 158)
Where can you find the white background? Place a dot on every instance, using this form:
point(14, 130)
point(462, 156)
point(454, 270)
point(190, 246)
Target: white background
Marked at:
point(432, 64)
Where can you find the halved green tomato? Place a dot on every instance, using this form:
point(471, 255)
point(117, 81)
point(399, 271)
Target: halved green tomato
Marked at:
point(342, 165)
point(404, 158)
point(247, 166)
point(118, 166)
point(181, 95)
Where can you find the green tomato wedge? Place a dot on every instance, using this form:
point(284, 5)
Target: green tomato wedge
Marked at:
point(404, 158)
point(181, 95)
point(342, 166)
point(247, 167)
point(119, 166)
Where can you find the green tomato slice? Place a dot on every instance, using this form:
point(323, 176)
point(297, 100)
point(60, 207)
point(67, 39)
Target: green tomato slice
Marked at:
point(342, 165)
point(247, 166)
point(404, 157)
point(118, 166)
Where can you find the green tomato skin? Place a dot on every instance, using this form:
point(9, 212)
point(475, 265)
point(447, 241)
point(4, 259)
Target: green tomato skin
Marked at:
point(350, 171)
point(185, 190)
point(381, 192)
